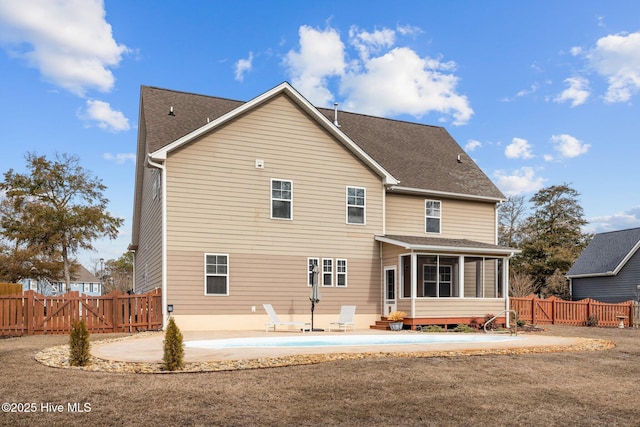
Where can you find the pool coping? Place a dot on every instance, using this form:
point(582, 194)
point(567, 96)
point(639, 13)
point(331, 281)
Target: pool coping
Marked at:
point(142, 353)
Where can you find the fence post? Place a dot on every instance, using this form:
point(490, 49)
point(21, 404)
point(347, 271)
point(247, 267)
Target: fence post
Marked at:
point(116, 311)
point(28, 313)
point(533, 309)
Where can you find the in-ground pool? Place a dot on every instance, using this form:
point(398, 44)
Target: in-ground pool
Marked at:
point(313, 340)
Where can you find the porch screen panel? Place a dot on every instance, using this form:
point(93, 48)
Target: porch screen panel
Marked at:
point(406, 276)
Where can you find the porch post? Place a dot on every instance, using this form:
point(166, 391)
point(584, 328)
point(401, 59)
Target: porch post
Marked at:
point(414, 283)
point(505, 288)
point(461, 276)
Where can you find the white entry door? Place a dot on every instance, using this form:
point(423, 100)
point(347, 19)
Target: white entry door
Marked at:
point(390, 290)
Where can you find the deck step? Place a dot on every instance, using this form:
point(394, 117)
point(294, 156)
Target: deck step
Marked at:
point(382, 324)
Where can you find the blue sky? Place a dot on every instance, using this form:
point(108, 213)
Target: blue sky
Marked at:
point(538, 93)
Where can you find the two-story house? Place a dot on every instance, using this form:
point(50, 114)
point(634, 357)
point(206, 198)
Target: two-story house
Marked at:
point(236, 201)
point(81, 281)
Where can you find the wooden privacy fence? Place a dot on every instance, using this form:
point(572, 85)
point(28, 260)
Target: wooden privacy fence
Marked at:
point(31, 313)
point(557, 311)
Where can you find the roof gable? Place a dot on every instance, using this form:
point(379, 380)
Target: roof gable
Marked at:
point(410, 156)
point(282, 89)
point(606, 254)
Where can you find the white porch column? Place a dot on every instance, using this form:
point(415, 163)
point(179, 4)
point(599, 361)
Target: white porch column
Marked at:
point(414, 283)
point(505, 287)
point(461, 276)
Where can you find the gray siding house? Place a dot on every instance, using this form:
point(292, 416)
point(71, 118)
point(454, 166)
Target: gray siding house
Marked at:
point(608, 270)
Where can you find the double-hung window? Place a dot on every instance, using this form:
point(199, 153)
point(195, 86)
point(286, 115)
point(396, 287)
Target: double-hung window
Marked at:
point(433, 215)
point(356, 197)
point(327, 272)
point(281, 199)
point(341, 273)
point(313, 270)
point(216, 274)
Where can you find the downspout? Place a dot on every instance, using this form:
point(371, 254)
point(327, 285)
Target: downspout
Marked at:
point(163, 211)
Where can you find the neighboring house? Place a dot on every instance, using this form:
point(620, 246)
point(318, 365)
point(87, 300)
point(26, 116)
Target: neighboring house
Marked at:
point(608, 270)
point(236, 202)
point(81, 281)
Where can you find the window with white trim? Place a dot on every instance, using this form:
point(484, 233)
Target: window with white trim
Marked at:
point(356, 197)
point(433, 215)
point(281, 199)
point(327, 272)
point(86, 287)
point(216, 274)
point(341, 273)
point(312, 264)
point(434, 286)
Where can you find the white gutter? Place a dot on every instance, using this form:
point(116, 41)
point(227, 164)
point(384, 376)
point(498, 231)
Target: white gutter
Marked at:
point(162, 169)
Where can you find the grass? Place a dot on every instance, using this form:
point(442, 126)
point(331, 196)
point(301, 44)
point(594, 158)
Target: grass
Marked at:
point(579, 388)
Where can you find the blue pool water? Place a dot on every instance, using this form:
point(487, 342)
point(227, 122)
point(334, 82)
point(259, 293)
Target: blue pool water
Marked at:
point(313, 340)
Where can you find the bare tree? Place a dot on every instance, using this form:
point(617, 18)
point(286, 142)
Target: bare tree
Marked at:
point(521, 285)
point(510, 220)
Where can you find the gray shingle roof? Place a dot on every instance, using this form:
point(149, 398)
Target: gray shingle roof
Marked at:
point(439, 242)
point(605, 253)
point(420, 156)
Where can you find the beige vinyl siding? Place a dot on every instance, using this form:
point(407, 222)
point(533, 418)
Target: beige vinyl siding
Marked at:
point(149, 253)
point(219, 202)
point(490, 266)
point(461, 219)
point(458, 307)
point(275, 279)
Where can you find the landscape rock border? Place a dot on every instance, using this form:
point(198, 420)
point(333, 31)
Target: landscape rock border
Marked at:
point(58, 357)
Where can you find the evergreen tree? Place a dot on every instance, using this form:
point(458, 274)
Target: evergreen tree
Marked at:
point(553, 236)
point(173, 347)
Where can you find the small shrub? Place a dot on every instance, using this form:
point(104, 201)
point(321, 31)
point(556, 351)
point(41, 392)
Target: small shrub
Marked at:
point(173, 347)
point(521, 323)
point(475, 323)
point(432, 328)
point(463, 328)
point(592, 320)
point(79, 344)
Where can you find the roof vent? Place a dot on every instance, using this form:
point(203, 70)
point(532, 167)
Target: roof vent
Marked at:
point(459, 159)
point(171, 111)
point(335, 114)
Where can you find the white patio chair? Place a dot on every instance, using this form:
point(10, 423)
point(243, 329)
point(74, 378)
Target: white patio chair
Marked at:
point(346, 319)
point(274, 320)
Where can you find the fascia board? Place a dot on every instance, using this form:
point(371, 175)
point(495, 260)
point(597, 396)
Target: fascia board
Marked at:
point(438, 248)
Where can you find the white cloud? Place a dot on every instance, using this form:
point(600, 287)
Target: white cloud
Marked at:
point(616, 221)
point(472, 145)
point(106, 118)
point(533, 89)
point(548, 158)
point(321, 55)
point(243, 66)
point(69, 42)
point(617, 57)
point(404, 82)
point(367, 43)
point(569, 146)
point(518, 149)
point(523, 180)
point(577, 92)
point(120, 158)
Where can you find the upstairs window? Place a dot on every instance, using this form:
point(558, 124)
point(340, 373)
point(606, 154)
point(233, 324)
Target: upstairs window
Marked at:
point(433, 214)
point(281, 199)
point(355, 205)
